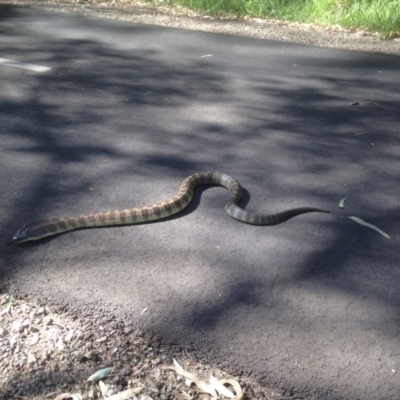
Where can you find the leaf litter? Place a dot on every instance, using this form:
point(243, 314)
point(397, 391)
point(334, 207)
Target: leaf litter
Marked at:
point(51, 354)
point(215, 387)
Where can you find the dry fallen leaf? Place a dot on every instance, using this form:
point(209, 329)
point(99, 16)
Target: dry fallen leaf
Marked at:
point(68, 396)
point(100, 374)
point(103, 388)
point(203, 386)
point(341, 203)
point(8, 305)
point(220, 388)
point(211, 388)
point(126, 394)
point(236, 387)
point(362, 222)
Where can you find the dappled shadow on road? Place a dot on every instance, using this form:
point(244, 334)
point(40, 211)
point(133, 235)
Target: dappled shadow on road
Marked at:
point(128, 111)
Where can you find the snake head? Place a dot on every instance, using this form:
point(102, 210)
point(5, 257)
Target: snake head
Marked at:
point(21, 235)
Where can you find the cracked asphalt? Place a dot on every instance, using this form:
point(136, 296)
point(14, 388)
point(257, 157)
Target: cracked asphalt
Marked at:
point(128, 110)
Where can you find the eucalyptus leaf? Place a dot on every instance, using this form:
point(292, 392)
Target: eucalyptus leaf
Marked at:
point(341, 203)
point(220, 388)
point(69, 396)
point(9, 304)
point(125, 395)
point(362, 222)
point(103, 388)
point(100, 374)
point(236, 387)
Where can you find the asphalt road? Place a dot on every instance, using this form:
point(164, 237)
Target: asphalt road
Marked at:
point(127, 111)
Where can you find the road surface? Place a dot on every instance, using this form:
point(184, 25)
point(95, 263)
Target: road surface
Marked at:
point(117, 114)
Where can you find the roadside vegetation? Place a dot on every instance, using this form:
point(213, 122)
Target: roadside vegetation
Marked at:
point(381, 16)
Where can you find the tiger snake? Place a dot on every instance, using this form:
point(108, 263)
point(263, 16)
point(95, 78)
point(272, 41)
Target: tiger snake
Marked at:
point(41, 229)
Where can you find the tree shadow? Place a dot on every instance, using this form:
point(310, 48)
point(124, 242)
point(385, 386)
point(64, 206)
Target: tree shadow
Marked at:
point(129, 108)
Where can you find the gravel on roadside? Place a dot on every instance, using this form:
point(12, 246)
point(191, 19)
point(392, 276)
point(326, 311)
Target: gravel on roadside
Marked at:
point(46, 352)
point(179, 17)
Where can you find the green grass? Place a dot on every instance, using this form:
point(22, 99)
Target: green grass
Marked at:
point(382, 16)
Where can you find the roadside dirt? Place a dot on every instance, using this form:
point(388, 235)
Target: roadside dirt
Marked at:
point(47, 352)
point(179, 17)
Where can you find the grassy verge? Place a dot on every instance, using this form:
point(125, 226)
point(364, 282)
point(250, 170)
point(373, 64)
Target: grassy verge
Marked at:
point(382, 16)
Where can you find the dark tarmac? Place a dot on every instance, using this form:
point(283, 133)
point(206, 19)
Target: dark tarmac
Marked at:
point(127, 111)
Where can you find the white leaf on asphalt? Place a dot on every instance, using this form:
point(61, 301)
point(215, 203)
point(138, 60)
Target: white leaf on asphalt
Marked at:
point(103, 388)
point(100, 374)
point(126, 394)
point(236, 387)
point(362, 222)
point(143, 311)
point(341, 203)
point(220, 388)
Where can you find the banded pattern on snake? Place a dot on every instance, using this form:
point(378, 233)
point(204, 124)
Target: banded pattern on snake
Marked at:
point(42, 229)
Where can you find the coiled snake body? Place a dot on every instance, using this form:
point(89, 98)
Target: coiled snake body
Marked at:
point(41, 229)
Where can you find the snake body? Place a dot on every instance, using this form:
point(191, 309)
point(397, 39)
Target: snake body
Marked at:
point(49, 227)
